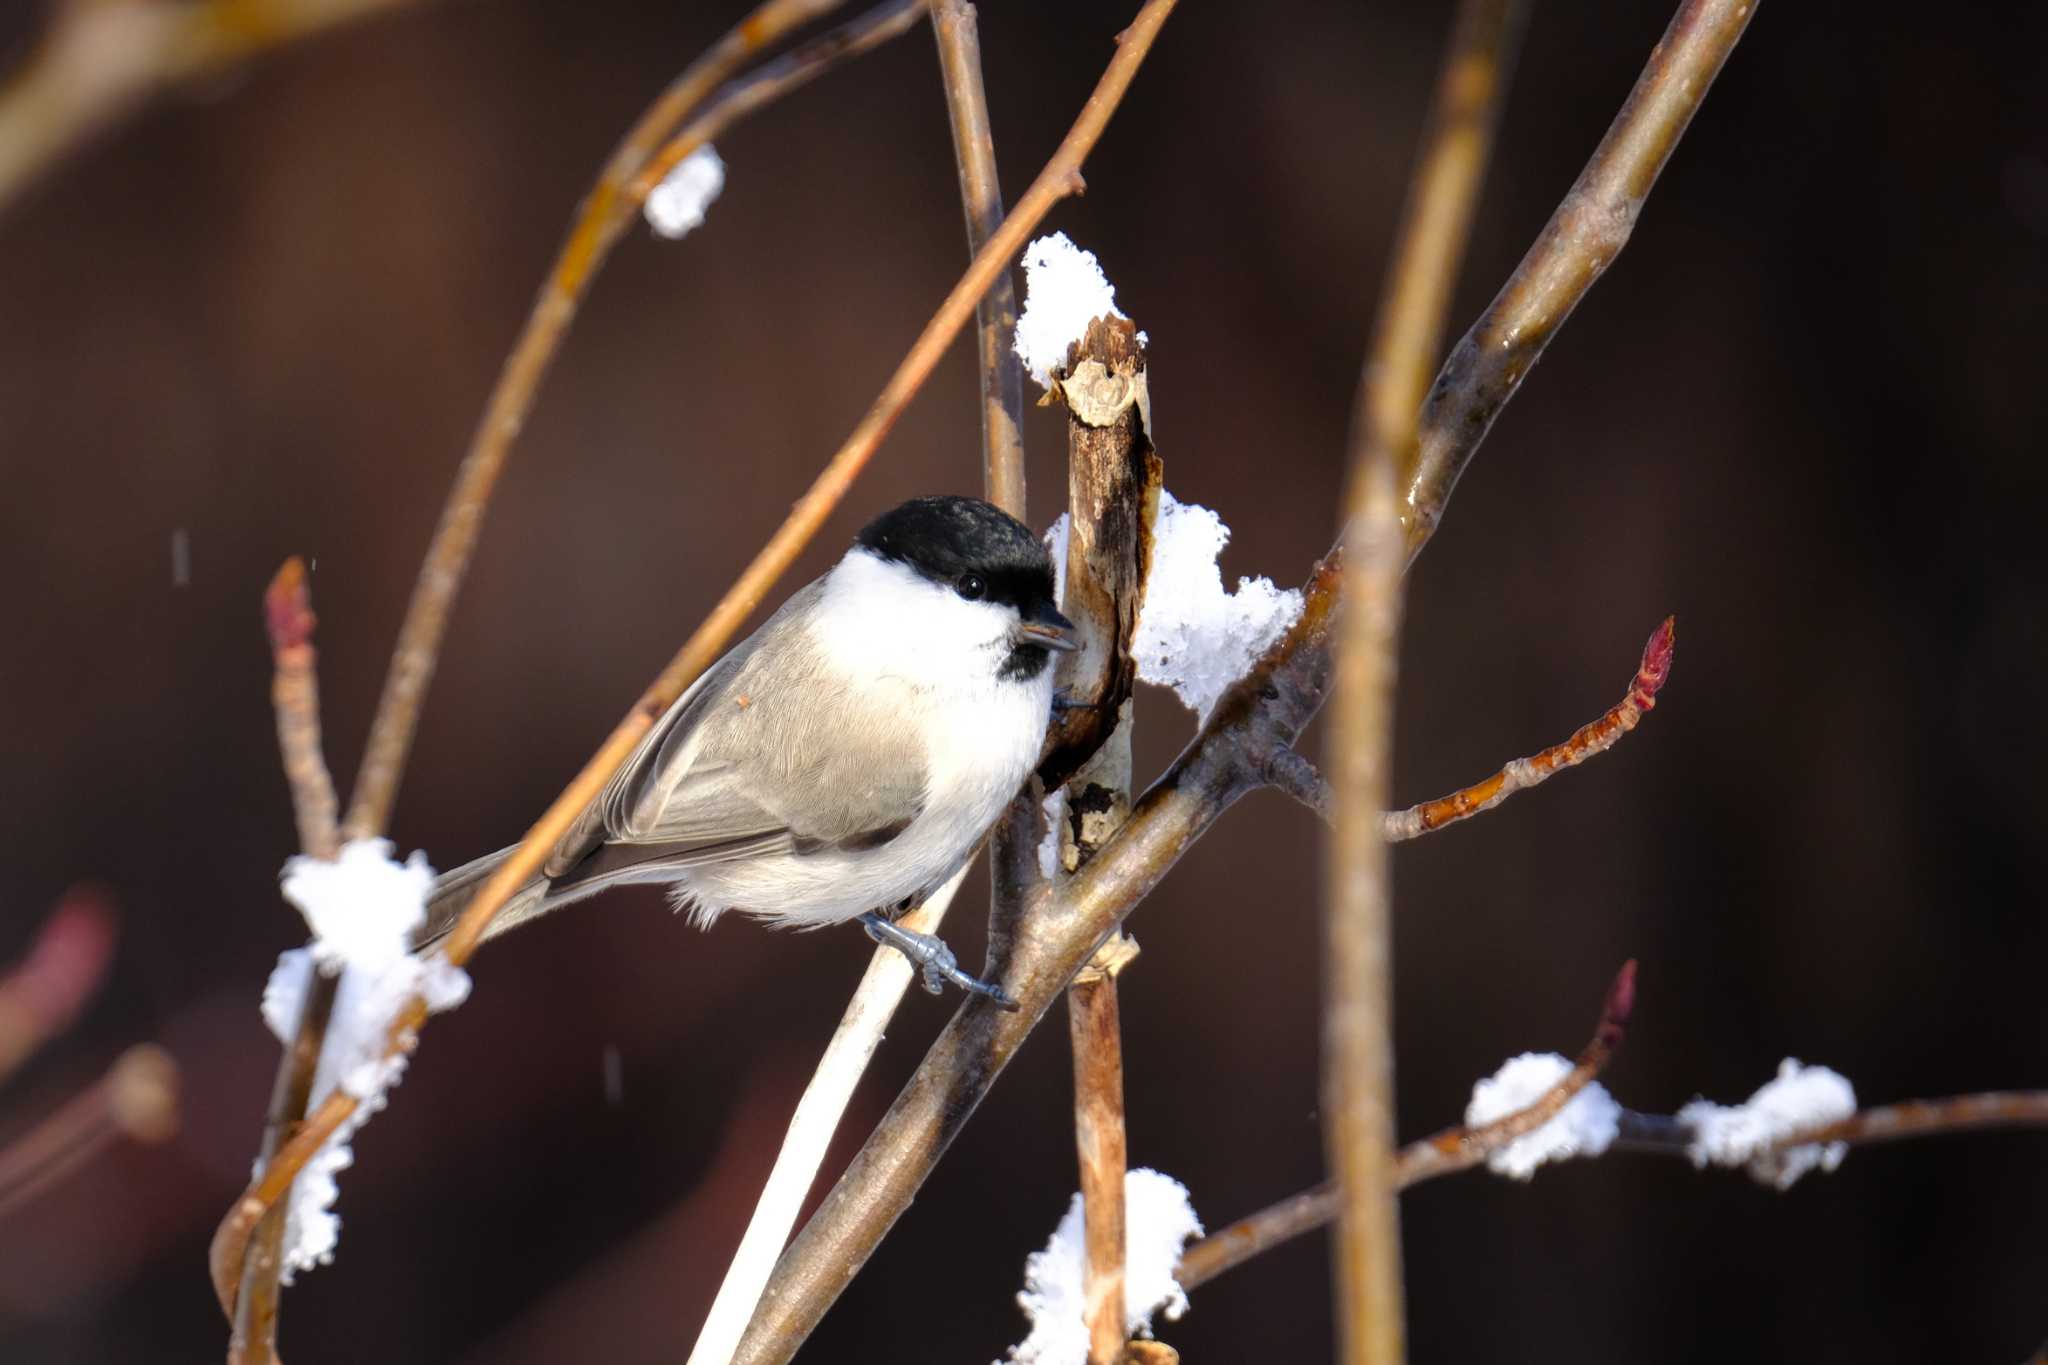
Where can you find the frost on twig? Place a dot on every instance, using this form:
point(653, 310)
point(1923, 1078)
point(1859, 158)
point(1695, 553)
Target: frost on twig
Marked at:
point(362, 908)
point(1751, 1135)
point(1158, 1221)
point(1586, 1126)
point(676, 207)
point(1194, 636)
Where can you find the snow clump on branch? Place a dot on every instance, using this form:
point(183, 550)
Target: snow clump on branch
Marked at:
point(1586, 1126)
point(1802, 1098)
point(676, 207)
point(363, 909)
point(1158, 1222)
point(1193, 636)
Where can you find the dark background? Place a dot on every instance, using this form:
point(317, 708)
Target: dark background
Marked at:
point(1802, 412)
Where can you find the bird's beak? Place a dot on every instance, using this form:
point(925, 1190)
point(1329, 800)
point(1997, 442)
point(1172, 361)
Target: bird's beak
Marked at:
point(1047, 629)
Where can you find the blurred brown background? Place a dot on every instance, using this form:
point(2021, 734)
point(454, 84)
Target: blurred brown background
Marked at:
point(1802, 411)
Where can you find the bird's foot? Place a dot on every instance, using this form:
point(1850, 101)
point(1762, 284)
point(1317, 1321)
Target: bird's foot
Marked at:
point(929, 953)
point(1063, 702)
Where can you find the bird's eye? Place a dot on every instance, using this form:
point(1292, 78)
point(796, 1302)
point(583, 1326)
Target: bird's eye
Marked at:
point(971, 587)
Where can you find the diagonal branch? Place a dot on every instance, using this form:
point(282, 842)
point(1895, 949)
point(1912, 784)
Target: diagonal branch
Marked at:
point(1582, 238)
point(605, 214)
point(1264, 712)
point(1454, 1149)
point(1060, 177)
point(811, 1129)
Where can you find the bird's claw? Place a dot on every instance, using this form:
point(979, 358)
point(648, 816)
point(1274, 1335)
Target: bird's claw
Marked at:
point(934, 960)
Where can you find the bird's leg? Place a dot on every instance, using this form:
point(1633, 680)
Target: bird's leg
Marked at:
point(930, 953)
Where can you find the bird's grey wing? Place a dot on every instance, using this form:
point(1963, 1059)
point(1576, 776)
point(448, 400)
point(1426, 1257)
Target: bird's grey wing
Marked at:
point(599, 820)
point(780, 752)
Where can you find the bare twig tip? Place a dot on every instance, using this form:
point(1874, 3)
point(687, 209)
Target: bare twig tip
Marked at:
point(288, 607)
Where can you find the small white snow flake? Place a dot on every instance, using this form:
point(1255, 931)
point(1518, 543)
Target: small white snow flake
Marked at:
point(1193, 636)
point(1800, 1098)
point(1158, 1221)
point(1586, 1126)
point(676, 206)
point(1064, 291)
point(363, 909)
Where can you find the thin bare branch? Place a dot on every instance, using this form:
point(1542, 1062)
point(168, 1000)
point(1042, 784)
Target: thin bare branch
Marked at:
point(136, 1099)
point(1588, 740)
point(1669, 1135)
point(1095, 1030)
point(1585, 234)
point(1061, 177)
point(981, 197)
point(101, 59)
point(1454, 1149)
point(769, 82)
point(62, 970)
point(811, 1129)
point(604, 215)
point(1358, 1048)
point(295, 695)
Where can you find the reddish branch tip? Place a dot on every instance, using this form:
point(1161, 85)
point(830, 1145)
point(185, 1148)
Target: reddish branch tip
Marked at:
point(1621, 997)
point(1656, 666)
point(288, 607)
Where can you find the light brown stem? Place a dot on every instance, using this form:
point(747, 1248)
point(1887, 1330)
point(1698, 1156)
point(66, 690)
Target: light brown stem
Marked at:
point(1585, 234)
point(1096, 1032)
point(604, 215)
point(295, 695)
point(1358, 1066)
point(981, 198)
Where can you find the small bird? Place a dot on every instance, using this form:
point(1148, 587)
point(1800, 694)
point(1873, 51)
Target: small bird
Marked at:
point(843, 761)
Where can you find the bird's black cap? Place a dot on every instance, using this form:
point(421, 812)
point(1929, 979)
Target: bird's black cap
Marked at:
point(945, 539)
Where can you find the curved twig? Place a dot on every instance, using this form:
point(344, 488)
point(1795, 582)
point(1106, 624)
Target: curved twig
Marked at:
point(604, 215)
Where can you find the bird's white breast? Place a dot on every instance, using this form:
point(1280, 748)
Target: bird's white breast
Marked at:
point(920, 659)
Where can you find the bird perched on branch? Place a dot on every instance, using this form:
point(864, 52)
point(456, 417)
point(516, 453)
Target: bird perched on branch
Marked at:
point(843, 761)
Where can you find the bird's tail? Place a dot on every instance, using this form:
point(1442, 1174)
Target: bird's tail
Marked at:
point(453, 891)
